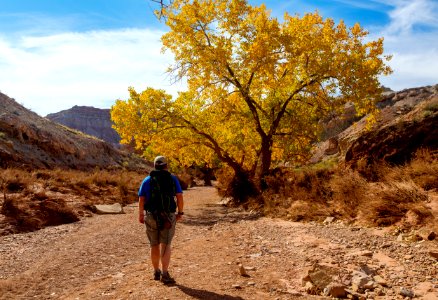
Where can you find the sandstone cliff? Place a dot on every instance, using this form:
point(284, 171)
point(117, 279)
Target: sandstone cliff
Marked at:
point(407, 121)
point(28, 140)
point(90, 120)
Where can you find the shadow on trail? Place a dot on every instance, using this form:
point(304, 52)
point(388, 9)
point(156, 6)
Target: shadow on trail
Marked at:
point(203, 294)
point(211, 214)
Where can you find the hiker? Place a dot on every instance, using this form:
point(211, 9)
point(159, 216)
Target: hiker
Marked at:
point(157, 207)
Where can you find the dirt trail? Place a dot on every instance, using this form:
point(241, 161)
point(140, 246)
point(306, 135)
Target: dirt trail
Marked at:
point(106, 257)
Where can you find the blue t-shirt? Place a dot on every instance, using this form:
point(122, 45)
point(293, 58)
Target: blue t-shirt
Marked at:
point(145, 188)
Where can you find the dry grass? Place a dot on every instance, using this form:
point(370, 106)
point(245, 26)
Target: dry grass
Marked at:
point(349, 192)
point(422, 171)
point(289, 193)
point(114, 186)
point(397, 202)
point(35, 199)
point(374, 195)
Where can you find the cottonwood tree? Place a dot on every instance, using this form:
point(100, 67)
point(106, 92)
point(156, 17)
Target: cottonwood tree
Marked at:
point(257, 86)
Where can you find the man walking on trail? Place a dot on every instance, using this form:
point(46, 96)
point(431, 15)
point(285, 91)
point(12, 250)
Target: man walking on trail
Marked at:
point(157, 207)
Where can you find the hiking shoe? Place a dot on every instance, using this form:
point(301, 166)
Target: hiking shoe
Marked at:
point(166, 279)
point(157, 275)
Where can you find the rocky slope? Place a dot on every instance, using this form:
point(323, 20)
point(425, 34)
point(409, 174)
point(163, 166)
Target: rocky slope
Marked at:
point(408, 121)
point(90, 120)
point(28, 140)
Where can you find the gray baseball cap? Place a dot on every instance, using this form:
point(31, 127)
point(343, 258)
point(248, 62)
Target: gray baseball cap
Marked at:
point(160, 161)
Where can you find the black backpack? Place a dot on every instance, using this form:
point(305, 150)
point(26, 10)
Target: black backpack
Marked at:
point(163, 192)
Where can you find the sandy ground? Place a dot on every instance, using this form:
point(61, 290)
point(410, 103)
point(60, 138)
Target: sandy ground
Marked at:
point(106, 257)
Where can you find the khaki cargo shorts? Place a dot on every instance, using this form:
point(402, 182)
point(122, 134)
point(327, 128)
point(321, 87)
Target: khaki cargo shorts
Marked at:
point(155, 236)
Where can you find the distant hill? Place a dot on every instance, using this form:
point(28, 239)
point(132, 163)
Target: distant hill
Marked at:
point(90, 120)
point(28, 140)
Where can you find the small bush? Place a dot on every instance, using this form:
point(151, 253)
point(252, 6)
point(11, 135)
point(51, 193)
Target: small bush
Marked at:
point(298, 194)
point(307, 211)
point(403, 192)
point(43, 175)
point(349, 192)
point(432, 107)
point(104, 179)
point(56, 212)
point(14, 180)
point(186, 180)
point(424, 169)
point(40, 195)
point(374, 171)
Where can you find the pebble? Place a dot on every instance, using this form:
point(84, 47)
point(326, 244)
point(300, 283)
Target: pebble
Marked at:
point(406, 292)
point(434, 254)
point(242, 271)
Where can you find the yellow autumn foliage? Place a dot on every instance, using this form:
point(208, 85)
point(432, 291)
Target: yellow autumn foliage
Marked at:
point(257, 86)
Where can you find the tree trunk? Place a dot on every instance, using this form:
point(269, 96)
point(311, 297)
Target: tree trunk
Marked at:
point(242, 187)
point(265, 161)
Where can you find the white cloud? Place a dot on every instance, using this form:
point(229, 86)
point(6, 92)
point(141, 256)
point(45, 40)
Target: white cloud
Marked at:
point(407, 14)
point(414, 63)
point(415, 52)
point(55, 72)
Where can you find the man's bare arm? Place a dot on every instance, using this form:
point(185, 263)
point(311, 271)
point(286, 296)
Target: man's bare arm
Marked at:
point(180, 204)
point(141, 209)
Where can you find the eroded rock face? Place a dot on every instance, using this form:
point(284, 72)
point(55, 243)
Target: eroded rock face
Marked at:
point(398, 140)
point(90, 120)
point(28, 215)
point(407, 121)
point(28, 140)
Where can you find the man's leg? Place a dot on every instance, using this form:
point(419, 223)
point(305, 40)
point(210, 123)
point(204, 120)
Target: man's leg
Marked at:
point(155, 256)
point(165, 260)
point(166, 237)
point(165, 256)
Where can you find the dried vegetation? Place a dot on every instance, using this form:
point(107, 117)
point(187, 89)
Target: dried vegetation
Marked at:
point(34, 199)
point(370, 195)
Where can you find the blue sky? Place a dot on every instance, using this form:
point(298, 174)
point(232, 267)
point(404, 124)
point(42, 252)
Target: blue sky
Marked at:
point(55, 54)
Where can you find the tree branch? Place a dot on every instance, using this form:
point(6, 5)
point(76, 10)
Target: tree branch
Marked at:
point(251, 103)
point(205, 33)
point(282, 111)
point(214, 145)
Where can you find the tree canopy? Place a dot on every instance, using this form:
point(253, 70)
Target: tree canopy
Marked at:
point(257, 86)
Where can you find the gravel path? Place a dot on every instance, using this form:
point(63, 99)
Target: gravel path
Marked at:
point(106, 257)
